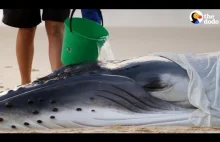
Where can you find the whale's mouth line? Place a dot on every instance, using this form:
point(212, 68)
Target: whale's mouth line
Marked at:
point(138, 118)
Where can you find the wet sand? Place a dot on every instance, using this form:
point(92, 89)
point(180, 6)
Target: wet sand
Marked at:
point(126, 129)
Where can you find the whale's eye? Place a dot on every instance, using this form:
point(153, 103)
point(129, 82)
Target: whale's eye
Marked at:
point(155, 85)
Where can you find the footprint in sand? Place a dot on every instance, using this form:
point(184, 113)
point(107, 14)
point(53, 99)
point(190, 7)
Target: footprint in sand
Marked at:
point(33, 70)
point(8, 66)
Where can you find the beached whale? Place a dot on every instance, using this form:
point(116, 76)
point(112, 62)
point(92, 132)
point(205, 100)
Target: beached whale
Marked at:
point(149, 90)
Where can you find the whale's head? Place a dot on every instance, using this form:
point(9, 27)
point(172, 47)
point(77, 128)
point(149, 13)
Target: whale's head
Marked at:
point(98, 94)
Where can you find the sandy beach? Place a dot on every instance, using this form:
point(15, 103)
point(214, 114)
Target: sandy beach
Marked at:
point(125, 43)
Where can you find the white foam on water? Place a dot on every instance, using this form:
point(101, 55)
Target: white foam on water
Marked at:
point(106, 52)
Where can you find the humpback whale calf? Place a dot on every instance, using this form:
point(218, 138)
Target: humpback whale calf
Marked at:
point(148, 90)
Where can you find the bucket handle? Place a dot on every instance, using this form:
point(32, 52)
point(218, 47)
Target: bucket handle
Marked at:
point(73, 11)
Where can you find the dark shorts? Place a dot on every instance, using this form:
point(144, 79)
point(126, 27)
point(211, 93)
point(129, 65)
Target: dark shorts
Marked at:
point(23, 18)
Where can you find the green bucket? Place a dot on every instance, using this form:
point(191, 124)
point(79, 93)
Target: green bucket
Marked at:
point(82, 40)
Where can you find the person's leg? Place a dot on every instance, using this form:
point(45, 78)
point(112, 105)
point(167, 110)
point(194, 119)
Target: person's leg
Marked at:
point(26, 21)
point(25, 52)
point(54, 23)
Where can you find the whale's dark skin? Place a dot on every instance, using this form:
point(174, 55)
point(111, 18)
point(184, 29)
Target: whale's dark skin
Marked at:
point(123, 86)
